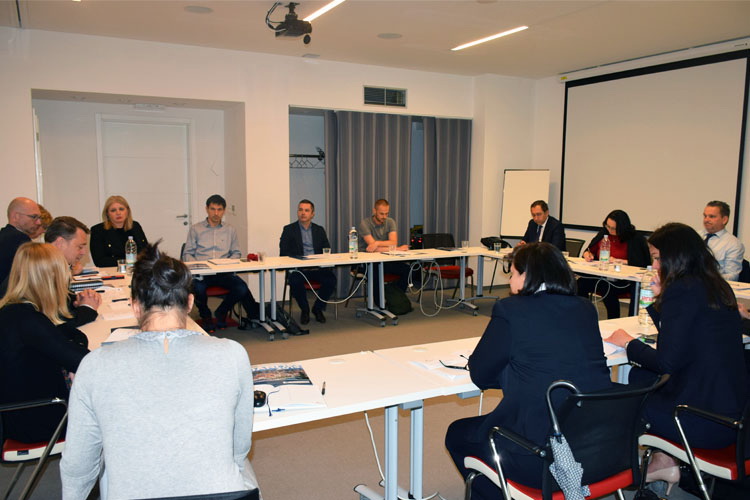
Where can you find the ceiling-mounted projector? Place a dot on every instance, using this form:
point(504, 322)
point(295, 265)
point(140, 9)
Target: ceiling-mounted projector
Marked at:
point(291, 26)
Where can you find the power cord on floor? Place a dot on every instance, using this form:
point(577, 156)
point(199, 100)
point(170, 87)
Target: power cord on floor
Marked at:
point(380, 468)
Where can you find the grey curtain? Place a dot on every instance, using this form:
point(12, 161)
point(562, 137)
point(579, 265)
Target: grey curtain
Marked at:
point(330, 127)
point(373, 161)
point(447, 162)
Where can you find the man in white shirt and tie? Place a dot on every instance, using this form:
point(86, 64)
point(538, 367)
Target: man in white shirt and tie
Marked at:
point(727, 249)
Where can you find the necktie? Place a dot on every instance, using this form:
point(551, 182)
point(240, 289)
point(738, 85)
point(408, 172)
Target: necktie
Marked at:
point(708, 237)
point(538, 233)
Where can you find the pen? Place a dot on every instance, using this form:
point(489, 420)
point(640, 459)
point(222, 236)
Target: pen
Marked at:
point(323, 390)
point(119, 300)
point(112, 277)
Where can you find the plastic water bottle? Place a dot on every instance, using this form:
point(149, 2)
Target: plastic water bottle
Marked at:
point(604, 253)
point(131, 249)
point(646, 298)
point(353, 243)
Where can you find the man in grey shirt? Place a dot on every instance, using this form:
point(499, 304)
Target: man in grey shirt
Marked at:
point(213, 239)
point(377, 233)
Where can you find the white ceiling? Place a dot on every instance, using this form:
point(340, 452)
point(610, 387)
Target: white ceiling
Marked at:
point(563, 36)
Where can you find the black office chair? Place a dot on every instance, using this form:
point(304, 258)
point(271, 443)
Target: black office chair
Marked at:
point(731, 463)
point(602, 430)
point(16, 452)
point(253, 494)
point(573, 246)
point(745, 273)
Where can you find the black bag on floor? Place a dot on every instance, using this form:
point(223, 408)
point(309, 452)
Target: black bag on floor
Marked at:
point(396, 300)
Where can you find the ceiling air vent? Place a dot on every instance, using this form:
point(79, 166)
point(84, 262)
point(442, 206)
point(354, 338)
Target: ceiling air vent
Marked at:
point(385, 97)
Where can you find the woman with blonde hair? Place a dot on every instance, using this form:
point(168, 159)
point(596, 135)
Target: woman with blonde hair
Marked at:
point(37, 351)
point(108, 238)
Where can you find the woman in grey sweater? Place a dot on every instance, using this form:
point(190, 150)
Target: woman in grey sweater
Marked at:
point(167, 412)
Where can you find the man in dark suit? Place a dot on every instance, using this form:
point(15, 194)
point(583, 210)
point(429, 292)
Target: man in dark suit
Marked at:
point(542, 227)
point(306, 238)
point(24, 219)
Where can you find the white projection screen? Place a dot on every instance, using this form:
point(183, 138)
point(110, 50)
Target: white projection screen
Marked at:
point(657, 142)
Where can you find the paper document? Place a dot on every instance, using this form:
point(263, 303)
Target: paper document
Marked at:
point(223, 262)
point(440, 366)
point(119, 334)
point(290, 397)
point(610, 349)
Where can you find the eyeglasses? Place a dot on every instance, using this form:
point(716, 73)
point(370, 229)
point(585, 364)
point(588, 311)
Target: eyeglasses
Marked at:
point(455, 367)
point(33, 216)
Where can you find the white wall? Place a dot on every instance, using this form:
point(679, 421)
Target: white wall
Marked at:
point(264, 87)
point(69, 155)
point(306, 132)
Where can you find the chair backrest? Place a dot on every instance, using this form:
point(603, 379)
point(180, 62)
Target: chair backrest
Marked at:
point(437, 240)
point(232, 495)
point(745, 273)
point(602, 429)
point(573, 246)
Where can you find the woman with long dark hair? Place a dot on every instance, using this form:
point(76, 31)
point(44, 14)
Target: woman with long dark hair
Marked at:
point(168, 411)
point(626, 246)
point(540, 334)
point(699, 344)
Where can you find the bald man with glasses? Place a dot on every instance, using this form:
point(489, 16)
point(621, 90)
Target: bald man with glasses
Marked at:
point(24, 219)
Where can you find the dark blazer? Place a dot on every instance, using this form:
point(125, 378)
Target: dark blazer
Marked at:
point(701, 348)
point(33, 353)
point(10, 239)
point(554, 233)
point(290, 243)
point(108, 245)
point(637, 248)
point(530, 342)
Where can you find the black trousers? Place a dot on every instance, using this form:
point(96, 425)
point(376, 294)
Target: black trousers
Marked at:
point(238, 292)
point(609, 291)
point(462, 440)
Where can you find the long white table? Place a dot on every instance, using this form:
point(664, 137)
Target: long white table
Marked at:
point(369, 260)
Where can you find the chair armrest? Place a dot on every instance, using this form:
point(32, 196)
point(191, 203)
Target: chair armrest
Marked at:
point(708, 415)
point(521, 441)
point(32, 404)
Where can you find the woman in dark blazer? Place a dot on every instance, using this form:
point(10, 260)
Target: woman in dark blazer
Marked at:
point(37, 351)
point(108, 238)
point(628, 247)
point(700, 343)
point(540, 334)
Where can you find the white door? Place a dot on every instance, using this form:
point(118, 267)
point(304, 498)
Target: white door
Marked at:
point(147, 162)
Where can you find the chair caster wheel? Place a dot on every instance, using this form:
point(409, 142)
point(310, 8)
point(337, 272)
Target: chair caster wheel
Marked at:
point(382, 324)
point(475, 313)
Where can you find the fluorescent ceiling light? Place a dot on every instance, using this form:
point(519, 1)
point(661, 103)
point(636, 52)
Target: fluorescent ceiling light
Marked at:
point(323, 10)
point(492, 37)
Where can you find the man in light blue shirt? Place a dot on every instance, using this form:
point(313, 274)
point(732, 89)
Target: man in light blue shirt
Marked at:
point(213, 239)
point(727, 249)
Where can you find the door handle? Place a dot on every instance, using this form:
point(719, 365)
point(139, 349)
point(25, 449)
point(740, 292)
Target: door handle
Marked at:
point(183, 216)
